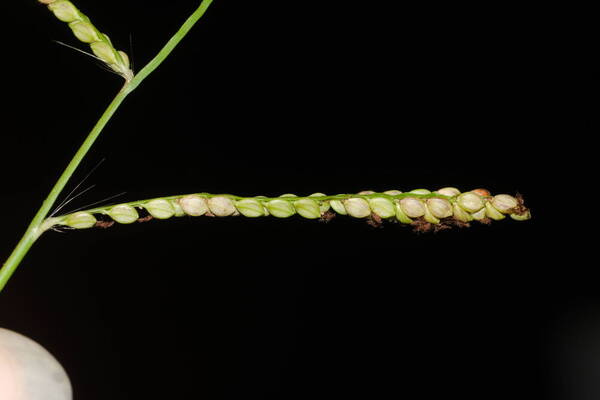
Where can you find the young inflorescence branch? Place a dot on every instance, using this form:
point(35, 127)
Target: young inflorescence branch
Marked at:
point(420, 208)
point(86, 32)
point(118, 62)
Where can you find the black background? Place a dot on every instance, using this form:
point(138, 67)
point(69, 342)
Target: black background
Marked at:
point(265, 98)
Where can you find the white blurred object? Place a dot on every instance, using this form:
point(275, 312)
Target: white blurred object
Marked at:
point(29, 372)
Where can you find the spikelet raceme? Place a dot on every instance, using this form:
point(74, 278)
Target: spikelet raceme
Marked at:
point(86, 32)
point(422, 209)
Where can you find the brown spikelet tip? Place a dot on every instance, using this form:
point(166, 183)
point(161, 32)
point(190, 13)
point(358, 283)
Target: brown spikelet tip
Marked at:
point(145, 219)
point(421, 226)
point(375, 220)
point(441, 227)
point(486, 221)
point(452, 222)
point(327, 216)
point(520, 209)
point(104, 224)
point(482, 192)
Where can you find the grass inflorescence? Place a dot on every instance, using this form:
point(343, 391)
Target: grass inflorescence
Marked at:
point(86, 32)
point(422, 209)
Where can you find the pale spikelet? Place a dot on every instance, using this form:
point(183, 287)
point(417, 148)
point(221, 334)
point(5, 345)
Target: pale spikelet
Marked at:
point(250, 208)
point(324, 205)
point(448, 191)
point(470, 201)
point(280, 208)
point(521, 217)
point(382, 207)
point(338, 207)
point(479, 215)
point(429, 217)
point(491, 212)
point(504, 203)
point(85, 32)
point(460, 214)
point(194, 205)
point(221, 206)
point(440, 208)
point(81, 220)
point(178, 211)
point(412, 207)
point(65, 11)
point(400, 214)
point(123, 214)
point(357, 207)
point(307, 208)
point(160, 208)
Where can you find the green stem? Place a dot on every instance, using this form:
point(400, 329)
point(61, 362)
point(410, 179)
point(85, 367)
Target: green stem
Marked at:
point(168, 48)
point(34, 229)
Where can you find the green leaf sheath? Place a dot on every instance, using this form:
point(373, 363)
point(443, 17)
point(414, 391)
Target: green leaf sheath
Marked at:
point(416, 207)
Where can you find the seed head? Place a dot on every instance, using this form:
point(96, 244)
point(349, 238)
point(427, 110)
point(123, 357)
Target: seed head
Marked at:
point(85, 31)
